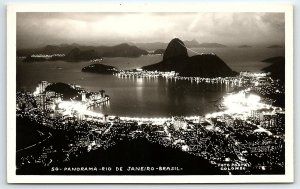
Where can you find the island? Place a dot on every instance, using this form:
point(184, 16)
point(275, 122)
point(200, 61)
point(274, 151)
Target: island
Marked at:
point(244, 46)
point(100, 68)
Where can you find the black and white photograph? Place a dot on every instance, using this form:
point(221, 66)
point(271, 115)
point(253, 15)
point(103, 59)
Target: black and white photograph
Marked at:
point(182, 94)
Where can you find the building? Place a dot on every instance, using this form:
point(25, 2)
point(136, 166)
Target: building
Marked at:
point(41, 87)
point(41, 102)
point(83, 96)
point(179, 123)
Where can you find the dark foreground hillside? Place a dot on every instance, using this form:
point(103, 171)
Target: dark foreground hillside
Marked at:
point(136, 153)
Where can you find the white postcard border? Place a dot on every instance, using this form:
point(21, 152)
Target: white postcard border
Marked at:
point(12, 9)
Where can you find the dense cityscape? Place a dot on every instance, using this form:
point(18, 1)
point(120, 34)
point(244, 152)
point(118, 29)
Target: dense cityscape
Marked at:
point(245, 135)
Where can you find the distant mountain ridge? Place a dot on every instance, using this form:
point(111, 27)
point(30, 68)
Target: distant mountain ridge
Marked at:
point(78, 55)
point(275, 46)
point(244, 46)
point(190, 44)
point(159, 51)
point(211, 45)
point(121, 50)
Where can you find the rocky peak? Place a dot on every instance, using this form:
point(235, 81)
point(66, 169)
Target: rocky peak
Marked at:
point(175, 49)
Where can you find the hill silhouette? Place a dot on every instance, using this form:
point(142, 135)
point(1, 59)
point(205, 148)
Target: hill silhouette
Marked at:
point(205, 65)
point(277, 68)
point(277, 59)
point(78, 55)
point(175, 49)
point(66, 90)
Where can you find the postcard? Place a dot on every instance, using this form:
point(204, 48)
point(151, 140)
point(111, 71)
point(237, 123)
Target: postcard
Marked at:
point(149, 93)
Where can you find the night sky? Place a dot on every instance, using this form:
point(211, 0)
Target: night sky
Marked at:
point(38, 29)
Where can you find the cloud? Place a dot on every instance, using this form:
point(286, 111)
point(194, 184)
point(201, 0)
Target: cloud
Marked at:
point(103, 28)
point(275, 20)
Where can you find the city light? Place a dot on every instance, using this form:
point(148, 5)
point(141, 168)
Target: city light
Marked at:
point(71, 107)
point(242, 103)
point(36, 92)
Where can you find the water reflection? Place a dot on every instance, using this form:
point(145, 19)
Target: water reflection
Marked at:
point(151, 97)
point(163, 97)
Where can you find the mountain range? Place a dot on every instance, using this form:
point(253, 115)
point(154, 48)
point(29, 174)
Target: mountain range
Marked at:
point(190, 44)
point(75, 52)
